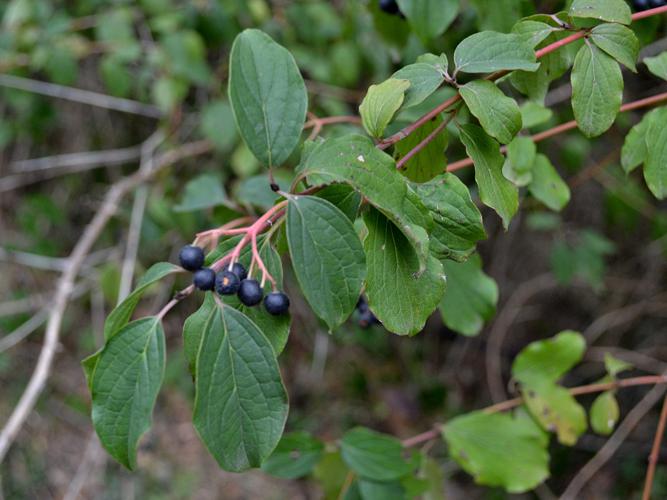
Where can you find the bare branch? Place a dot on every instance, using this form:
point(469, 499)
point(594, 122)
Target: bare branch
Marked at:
point(81, 96)
point(65, 285)
point(75, 161)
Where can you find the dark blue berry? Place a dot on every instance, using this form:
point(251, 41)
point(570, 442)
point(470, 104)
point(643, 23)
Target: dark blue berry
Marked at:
point(367, 319)
point(191, 257)
point(250, 292)
point(204, 279)
point(239, 271)
point(641, 4)
point(362, 305)
point(227, 283)
point(276, 303)
point(389, 6)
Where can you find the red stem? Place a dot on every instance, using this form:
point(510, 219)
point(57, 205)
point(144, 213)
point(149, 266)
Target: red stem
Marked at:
point(564, 127)
point(655, 452)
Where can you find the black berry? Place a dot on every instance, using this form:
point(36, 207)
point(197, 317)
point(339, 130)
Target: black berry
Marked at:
point(641, 4)
point(276, 303)
point(239, 271)
point(362, 305)
point(367, 319)
point(250, 293)
point(191, 257)
point(204, 278)
point(389, 6)
point(227, 283)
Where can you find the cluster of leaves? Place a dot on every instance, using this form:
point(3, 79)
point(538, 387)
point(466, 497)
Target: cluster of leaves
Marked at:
point(362, 217)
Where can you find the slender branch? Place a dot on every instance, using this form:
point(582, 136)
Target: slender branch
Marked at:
point(87, 159)
point(655, 452)
point(81, 96)
point(565, 127)
point(575, 391)
point(66, 284)
point(427, 140)
point(403, 133)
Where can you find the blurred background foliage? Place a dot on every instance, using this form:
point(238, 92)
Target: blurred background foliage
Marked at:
point(598, 265)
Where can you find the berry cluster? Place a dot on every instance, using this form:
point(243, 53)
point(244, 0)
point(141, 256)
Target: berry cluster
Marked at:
point(366, 316)
point(230, 281)
point(640, 5)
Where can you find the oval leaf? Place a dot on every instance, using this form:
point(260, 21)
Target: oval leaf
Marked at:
point(381, 103)
point(597, 90)
point(604, 413)
point(295, 456)
point(613, 11)
point(240, 403)
point(268, 96)
point(498, 114)
point(327, 257)
point(373, 455)
point(124, 386)
point(398, 294)
point(489, 51)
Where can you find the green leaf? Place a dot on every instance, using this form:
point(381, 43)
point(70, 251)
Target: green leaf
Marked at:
point(204, 191)
point(186, 56)
point(498, 114)
point(505, 13)
point(597, 90)
point(552, 66)
point(518, 166)
point(295, 456)
point(399, 294)
point(354, 160)
point(613, 11)
point(457, 221)
point(617, 41)
point(655, 167)
point(537, 368)
point(344, 197)
point(429, 18)
point(331, 473)
point(657, 65)
point(533, 114)
point(431, 160)
point(217, 125)
point(614, 366)
point(471, 297)
point(547, 185)
point(549, 359)
point(240, 404)
point(268, 96)
point(381, 103)
point(119, 317)
point(193, 329)
point(116, 76)
point(124, 387)
point(373, 455)
point(498, 450)
point(256, 191)
point(604, 413)
point(634, 150)
point(533, 32)
point(495, 190)
point(555, 409)
point(374, 490)
point(424, 80)
point(489, 51)
point(327, 257)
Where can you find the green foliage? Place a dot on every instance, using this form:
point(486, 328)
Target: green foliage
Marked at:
point(381, 103)
point(429, 18)
point(124, 386)
point(547, 185)
point(617, 41)
point(613, 11)
point(495, 190)
point(327, 256)
point(499, 450)
point(268, 96)
point(373, 455)
point(498, 114)
point(657, 65)
point(204, 191)
point(295, 456)
point(241, 403)
point(424, 77)
point(431, 160)
point(489, 51)
point(597, 90)
point(471, 296)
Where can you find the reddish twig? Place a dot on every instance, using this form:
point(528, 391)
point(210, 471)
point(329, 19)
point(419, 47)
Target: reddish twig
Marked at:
point(655, 452)
point(424, 142)
point(575, 391)
point(565, 127)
